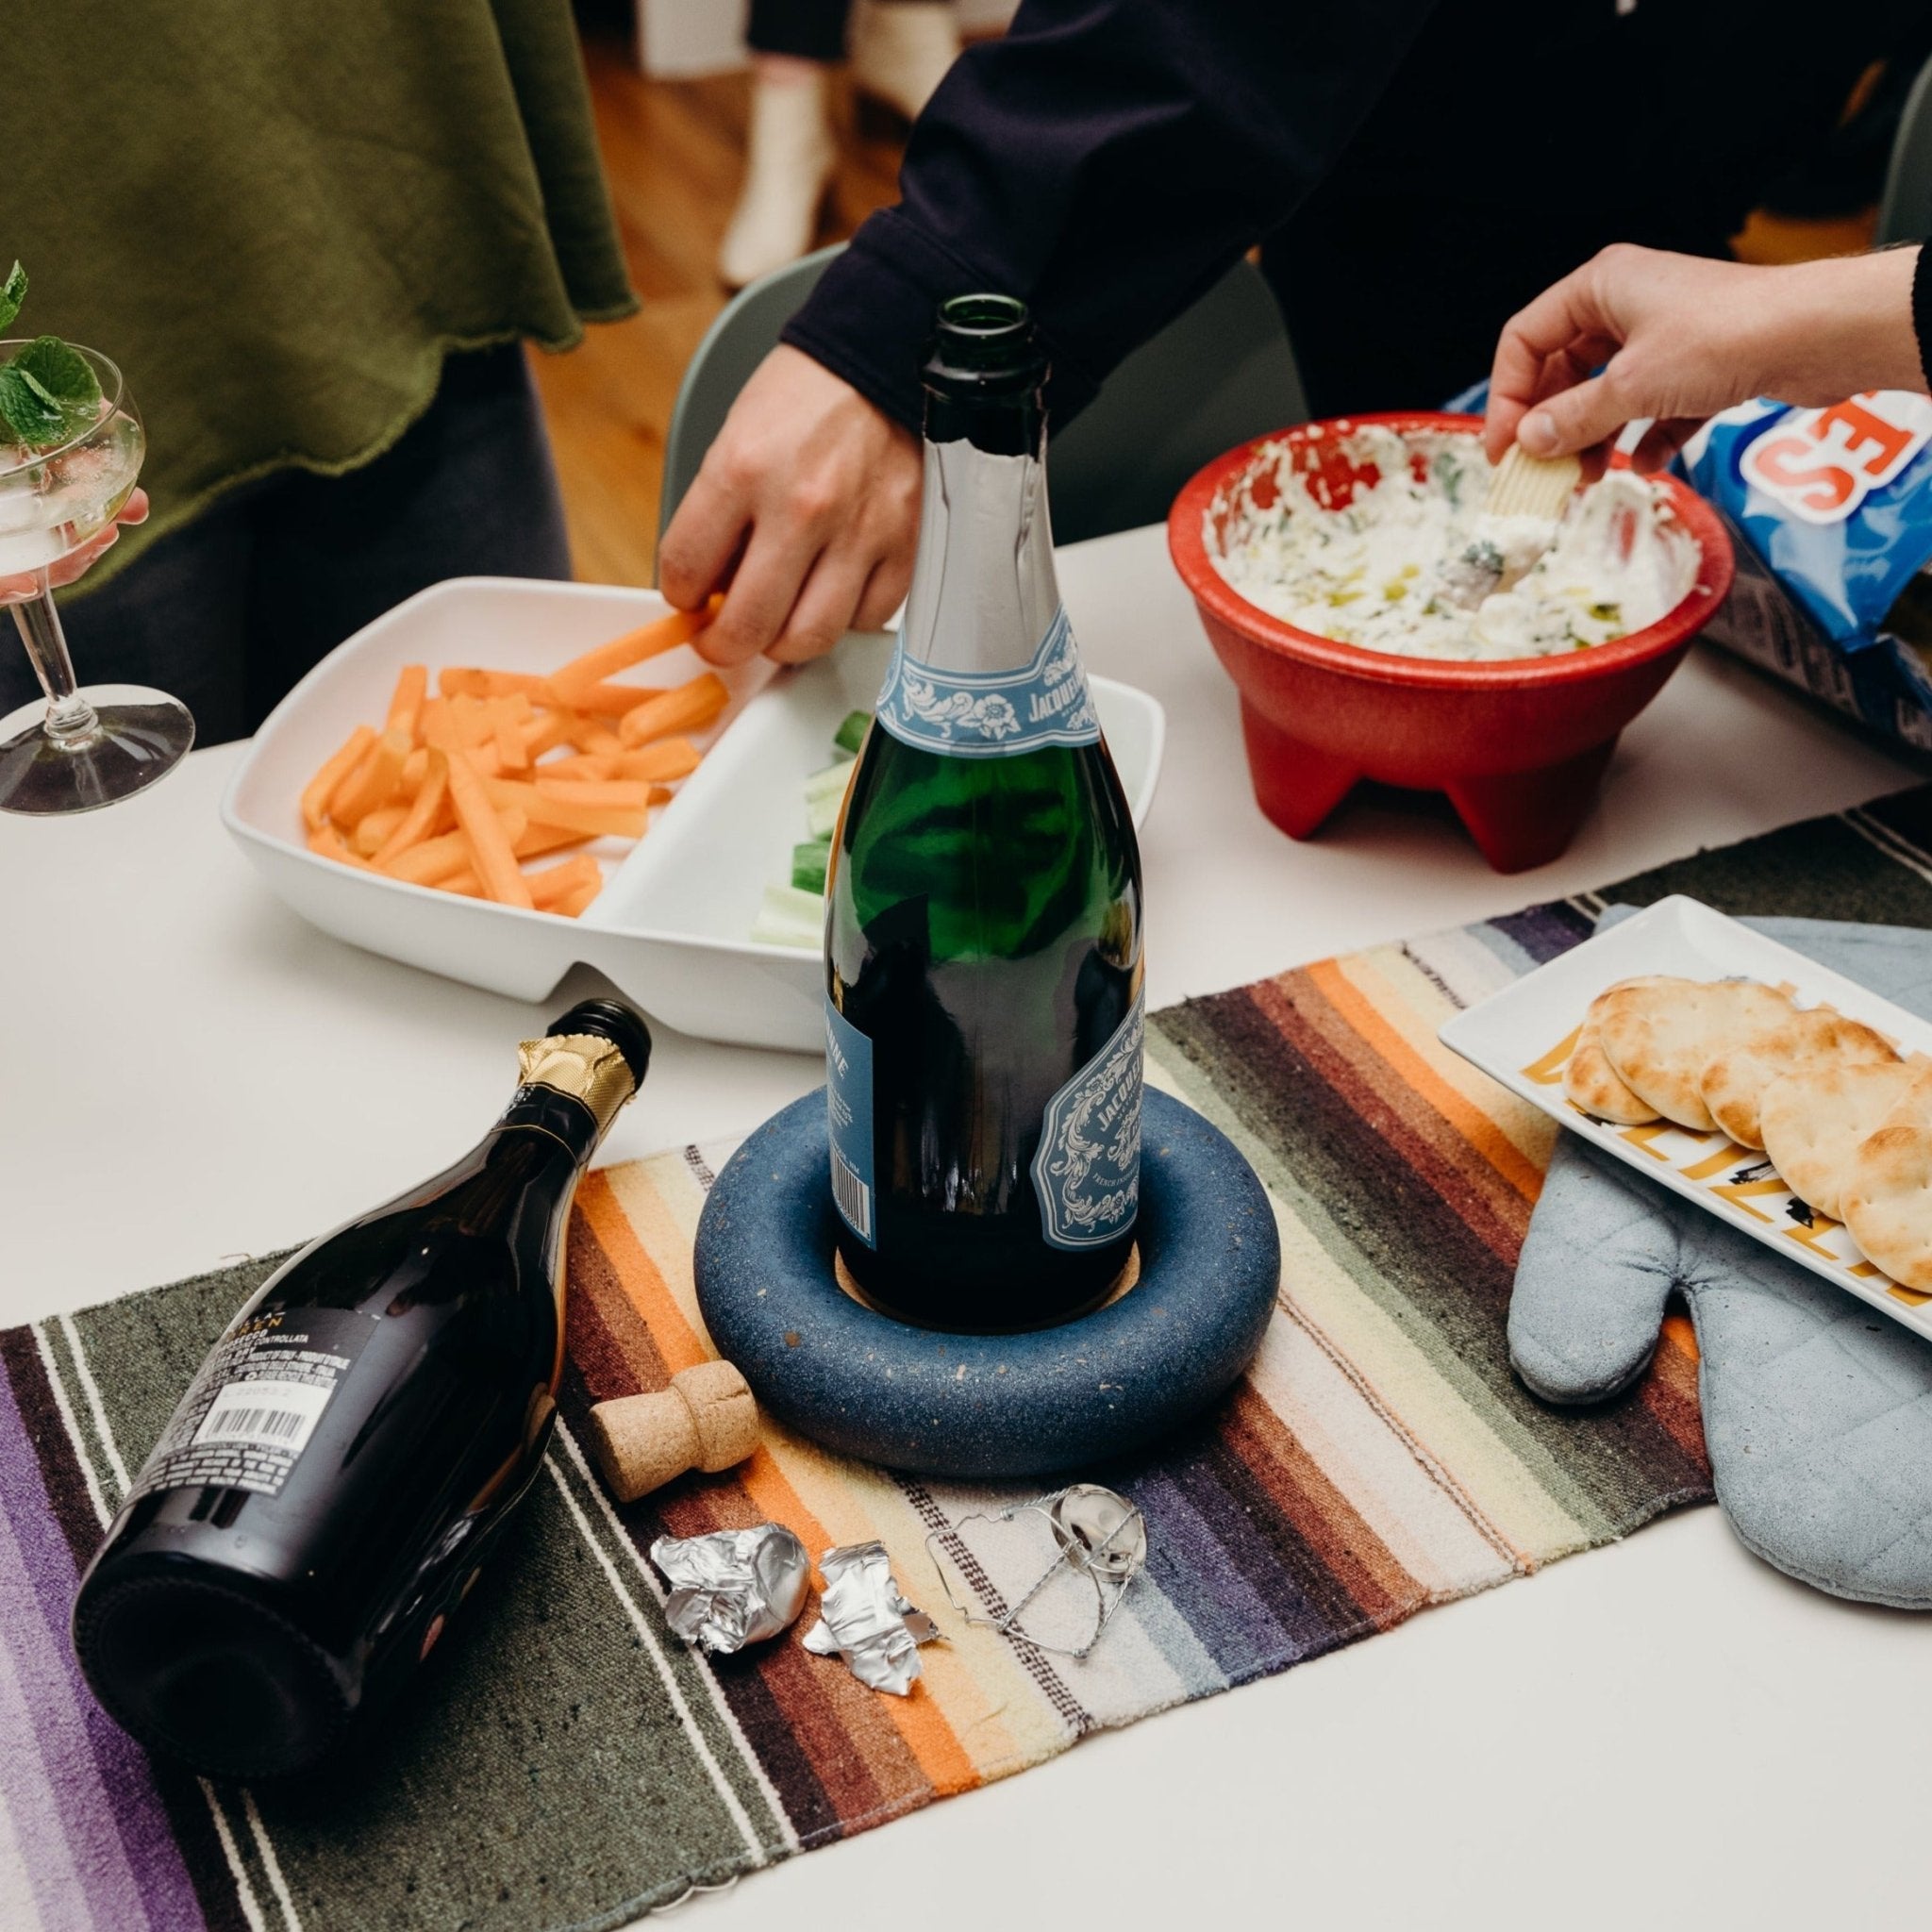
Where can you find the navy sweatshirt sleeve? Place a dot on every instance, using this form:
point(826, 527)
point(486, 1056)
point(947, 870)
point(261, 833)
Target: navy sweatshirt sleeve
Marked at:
point(1106, 162)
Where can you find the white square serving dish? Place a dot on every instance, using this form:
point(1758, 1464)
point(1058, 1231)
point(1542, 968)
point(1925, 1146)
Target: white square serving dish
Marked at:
point(1522, 1037)
point(668, 929)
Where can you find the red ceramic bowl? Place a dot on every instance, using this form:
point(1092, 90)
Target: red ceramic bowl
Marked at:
point(1519, 746)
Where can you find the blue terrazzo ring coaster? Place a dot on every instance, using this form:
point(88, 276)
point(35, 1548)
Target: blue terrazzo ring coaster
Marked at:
point(936, 1404)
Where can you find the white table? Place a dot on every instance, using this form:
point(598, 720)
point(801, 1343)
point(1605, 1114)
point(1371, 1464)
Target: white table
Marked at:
point(1665, 1727)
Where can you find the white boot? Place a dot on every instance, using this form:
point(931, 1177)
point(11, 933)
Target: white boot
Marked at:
point(790, 160)
point(901, 48)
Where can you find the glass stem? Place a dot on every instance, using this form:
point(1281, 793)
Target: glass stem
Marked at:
point(71, 721)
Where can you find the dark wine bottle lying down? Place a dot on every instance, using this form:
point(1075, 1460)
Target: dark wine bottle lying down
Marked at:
point(348, 1455)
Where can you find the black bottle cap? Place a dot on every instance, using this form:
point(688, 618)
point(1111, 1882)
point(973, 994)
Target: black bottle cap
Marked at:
point(984, 348)
point(611, 1020)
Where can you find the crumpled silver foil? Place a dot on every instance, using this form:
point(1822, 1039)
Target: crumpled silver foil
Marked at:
point(733, 1587)
point(865, 1619)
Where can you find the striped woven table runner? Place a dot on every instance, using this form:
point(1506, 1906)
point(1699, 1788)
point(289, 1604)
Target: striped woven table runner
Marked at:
point(569, 1765)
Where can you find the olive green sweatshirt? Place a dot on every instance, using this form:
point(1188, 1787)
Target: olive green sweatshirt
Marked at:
point(278, 215)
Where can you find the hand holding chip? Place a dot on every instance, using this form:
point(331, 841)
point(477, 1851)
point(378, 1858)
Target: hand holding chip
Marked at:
point(1675, 338)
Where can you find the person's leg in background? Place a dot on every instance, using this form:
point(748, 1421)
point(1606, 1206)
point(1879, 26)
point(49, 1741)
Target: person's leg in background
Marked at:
point(899, 51)
point(469, 490)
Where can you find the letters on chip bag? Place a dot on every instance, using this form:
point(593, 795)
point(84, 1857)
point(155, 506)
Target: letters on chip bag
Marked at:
point(1834, 507)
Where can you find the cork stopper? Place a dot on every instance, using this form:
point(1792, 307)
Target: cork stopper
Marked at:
point(705, 1420)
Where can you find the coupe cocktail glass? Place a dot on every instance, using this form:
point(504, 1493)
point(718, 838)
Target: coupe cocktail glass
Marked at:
point(82, 748)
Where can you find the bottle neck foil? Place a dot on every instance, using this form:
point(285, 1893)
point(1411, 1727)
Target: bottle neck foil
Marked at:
point(983, 588)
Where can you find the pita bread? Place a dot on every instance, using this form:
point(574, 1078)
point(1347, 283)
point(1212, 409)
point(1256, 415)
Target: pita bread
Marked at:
point(1592, 1083)
point(1888, 1202)
point(1660, 1035)
point(1734, 1083)
point(1815, 1121)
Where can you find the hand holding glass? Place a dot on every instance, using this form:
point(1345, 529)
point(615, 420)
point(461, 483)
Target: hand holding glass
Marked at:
point(83, 748)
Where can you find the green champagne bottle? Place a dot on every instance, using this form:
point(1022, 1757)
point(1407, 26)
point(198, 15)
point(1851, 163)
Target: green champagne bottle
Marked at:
point(983, 985)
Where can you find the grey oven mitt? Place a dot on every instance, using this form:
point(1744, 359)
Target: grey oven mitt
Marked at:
point(1817, 1408)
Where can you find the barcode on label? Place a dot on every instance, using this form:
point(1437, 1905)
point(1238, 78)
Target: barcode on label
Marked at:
point(854, 1198)
point(257, 1422)
point(277, 1415)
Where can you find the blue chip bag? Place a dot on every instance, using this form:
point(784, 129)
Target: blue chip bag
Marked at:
point(1834, 510)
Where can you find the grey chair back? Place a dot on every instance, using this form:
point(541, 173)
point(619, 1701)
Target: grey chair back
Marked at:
point(1219, 374)
point(1905, 213)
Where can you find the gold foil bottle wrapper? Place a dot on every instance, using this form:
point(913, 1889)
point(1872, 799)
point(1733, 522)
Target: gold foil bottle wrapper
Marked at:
point(586, 1066)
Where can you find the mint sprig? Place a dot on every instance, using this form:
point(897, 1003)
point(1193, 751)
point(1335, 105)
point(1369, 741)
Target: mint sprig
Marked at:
point(48, 390)
point(28, 415)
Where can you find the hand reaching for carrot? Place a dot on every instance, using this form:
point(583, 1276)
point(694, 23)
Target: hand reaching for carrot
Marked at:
point(459, 786)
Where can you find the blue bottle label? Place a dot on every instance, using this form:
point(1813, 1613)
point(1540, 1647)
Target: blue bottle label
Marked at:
point(992, 714)
point(1088, 1170)
point(848, 1107)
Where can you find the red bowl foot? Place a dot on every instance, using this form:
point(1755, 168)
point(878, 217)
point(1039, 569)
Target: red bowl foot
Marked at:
point(1296, 784)
point(1522, 819)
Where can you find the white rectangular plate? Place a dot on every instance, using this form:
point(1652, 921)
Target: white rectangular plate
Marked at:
point(670, 929)
point(1522, 1036)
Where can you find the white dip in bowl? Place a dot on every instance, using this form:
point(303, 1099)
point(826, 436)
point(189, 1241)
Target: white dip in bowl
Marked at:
point(1414, 566)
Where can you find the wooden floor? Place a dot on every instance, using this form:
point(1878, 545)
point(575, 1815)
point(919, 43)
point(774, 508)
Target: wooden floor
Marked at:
point(673, 152)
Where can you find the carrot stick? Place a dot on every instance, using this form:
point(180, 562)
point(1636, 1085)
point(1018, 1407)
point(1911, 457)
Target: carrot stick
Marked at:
point(372, 827)
point(568, 907)
point(328, 842)
point(490, 840)
point(582, 764)
point(608, 700)
point(456, 681)
point(623, 794)
point(670, 758)
point(623, 822)
point(408, 702)
point(465, 883)
point(684, 707)
point(321, 788)
point(420, 820)
point(433, 724)
point(472, 721)
point(444, 856)
point(513, 753)
point(633, 647)
point(415, 769)
point(590, 734)
point(560, 881)
point(441, 731)
point(373, 782)
point(605, 700)
point(545, 732)
point(433, 860)
point(541, 839)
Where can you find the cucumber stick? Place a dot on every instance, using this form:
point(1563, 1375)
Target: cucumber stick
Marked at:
point(795, 915)
point(790, 918)
point(825, 792)
point(810, 862)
